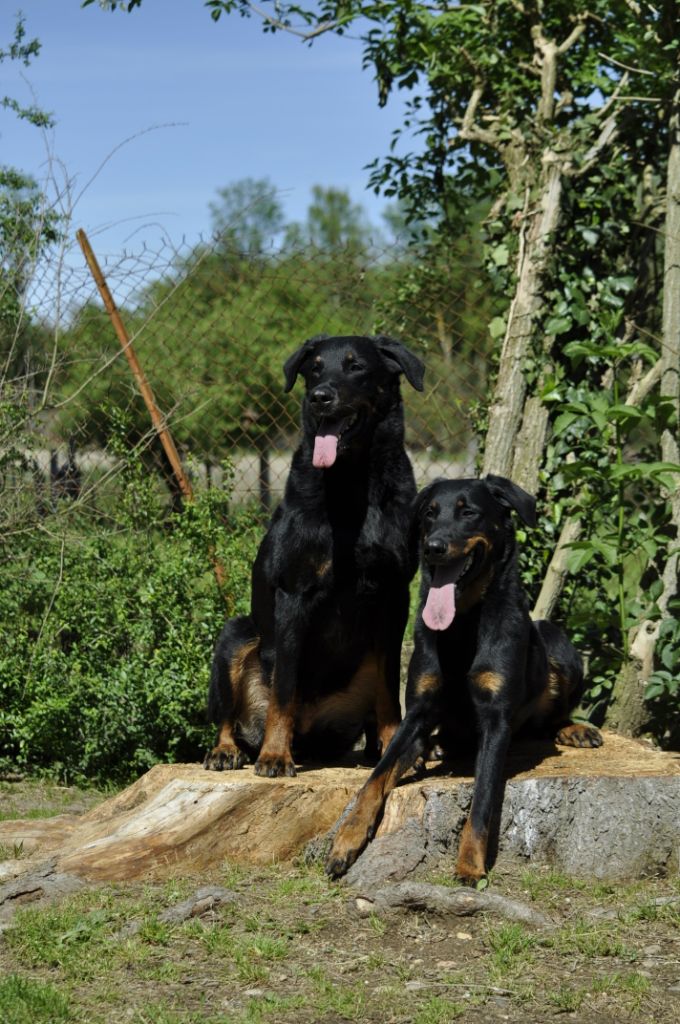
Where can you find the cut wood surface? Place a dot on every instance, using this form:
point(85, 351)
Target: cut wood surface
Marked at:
point(611, 812)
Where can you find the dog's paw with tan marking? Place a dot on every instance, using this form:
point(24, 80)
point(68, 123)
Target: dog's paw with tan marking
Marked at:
point(221, 759)
point(275, 766)
point(349, 842)
point(471, 863)
point(352, 837)
point(579, 734)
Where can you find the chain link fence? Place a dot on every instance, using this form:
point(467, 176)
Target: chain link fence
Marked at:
point(211, 328)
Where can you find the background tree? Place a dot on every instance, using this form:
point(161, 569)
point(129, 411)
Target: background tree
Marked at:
point(27, 225)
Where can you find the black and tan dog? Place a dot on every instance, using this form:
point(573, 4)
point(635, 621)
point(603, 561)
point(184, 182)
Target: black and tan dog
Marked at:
point(316, 663)
point(480, 665)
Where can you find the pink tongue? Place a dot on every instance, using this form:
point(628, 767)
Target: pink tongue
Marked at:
point(325, 451)
point(440, 607)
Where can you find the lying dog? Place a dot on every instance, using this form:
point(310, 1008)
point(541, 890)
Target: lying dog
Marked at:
point(479, 664)
point(317, 660)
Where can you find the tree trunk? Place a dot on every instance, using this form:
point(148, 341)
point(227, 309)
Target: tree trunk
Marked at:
point(505, 412)
point(610, 812)
point(627, 712)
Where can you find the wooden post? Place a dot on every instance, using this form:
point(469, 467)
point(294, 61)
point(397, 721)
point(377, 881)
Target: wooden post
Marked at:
point(157, 417)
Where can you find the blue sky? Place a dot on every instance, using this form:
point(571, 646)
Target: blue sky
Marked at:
point(236, 102)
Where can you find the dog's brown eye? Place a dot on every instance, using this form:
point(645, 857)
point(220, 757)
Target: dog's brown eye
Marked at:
point(354, 367)
point(430, 512)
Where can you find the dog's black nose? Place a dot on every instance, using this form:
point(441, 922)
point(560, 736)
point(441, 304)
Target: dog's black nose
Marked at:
point(321, 398)
point(435, 548)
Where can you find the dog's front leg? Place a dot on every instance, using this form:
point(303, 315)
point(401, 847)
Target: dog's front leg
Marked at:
point(494, 737)
point(291, 618)
point(409, 743)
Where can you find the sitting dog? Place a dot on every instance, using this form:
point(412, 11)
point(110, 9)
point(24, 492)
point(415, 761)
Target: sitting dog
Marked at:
point(479, 664)
point(316, 663)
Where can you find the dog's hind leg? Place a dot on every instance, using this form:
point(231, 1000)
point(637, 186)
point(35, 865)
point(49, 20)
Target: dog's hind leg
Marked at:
point(563, 690)
point(237, 697)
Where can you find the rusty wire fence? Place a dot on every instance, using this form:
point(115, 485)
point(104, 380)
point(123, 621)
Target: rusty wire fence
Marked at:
point(211, 328)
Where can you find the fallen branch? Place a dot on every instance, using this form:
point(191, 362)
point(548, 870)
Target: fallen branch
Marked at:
point(439, 899)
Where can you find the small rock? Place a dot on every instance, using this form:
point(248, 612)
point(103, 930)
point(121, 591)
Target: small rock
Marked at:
point(254, 993)
point(652, 950)
point(364, 907)
point(415, 986)
point(601, 914)
point(446, 965)
point(463, 936)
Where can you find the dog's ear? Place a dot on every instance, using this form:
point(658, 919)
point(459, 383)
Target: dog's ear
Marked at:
point(509, 495)
point(398, 358)
point(292, 365)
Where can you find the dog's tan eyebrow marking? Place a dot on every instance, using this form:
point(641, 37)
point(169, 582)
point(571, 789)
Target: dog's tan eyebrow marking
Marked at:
point(460, 503)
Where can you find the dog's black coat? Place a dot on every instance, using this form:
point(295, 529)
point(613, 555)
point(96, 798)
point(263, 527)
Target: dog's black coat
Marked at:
point(317, 660)
point(480, 671)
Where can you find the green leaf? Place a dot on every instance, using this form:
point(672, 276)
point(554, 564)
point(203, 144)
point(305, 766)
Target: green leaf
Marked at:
point(497, 327)
point(577, 559)
point(558, 325)
point(564, 421)
point(500, 255)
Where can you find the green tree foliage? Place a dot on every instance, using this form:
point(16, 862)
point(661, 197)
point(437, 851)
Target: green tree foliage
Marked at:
point(27, 225)
point(247, 217)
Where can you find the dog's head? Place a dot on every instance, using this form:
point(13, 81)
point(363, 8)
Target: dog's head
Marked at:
point(351, 383)
point(463, 528)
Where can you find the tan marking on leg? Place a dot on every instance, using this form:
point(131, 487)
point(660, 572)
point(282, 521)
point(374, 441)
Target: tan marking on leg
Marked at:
point(359, 826)
point(324, 568)
point(249, 696)
point(471, 863)
point(241, 664)
point(490, 682)
point(387, 709)
point(275, 757)
point(225, 737)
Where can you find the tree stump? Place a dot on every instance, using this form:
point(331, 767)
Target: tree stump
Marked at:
point(610, 813)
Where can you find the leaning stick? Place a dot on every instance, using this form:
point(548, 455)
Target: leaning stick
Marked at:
point(157, 418)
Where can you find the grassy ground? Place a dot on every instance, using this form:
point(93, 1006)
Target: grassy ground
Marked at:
point(291, 948)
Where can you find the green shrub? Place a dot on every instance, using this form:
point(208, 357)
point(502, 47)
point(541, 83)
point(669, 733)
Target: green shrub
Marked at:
point(107, 631)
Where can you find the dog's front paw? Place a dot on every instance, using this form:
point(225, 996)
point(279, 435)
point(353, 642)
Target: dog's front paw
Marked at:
point(274, 766)
point(349, 842)
point(221, 759)
point(471, 863)
point(355, 832)
point(579, 734)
